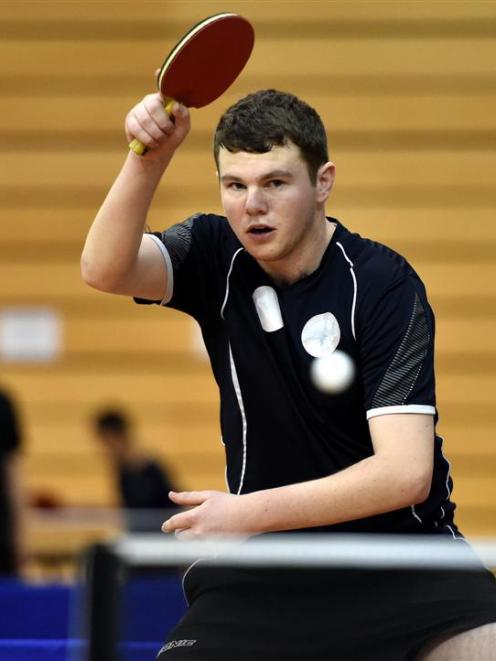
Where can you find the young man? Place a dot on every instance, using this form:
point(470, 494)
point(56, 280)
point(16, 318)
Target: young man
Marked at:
point(275, 284)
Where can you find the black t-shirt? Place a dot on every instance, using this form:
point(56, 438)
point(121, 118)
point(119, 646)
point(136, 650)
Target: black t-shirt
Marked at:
point(144, 493)
point(277, 428)
point(144, 486)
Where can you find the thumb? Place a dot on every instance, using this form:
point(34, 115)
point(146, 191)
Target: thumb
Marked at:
point(181, 119)
point(180, 113)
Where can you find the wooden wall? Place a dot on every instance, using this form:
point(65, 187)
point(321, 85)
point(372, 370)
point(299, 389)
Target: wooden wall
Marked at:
point(408, 93)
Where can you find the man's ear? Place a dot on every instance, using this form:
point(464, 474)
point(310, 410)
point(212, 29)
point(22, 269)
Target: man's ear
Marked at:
point(325, 181)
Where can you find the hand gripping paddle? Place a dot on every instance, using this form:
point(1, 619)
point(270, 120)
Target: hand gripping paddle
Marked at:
point(204, 63)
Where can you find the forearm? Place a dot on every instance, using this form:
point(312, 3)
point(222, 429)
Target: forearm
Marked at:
point(114, 238)
point(398, 474)
point(367, 488)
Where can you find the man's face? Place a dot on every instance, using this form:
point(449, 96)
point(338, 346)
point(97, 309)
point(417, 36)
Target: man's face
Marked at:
point(113, 444)
point(270, 202)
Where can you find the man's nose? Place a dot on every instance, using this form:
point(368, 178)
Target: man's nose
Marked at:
point(255, 201)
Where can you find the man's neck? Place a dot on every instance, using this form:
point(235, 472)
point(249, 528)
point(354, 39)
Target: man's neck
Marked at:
point(308, 261)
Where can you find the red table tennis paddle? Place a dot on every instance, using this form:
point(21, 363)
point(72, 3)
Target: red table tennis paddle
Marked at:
point(204, 63)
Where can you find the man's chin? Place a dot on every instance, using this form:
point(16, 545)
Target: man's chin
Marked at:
point(263, 253)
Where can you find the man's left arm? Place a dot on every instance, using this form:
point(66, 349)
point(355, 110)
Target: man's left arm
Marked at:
point(397, 475)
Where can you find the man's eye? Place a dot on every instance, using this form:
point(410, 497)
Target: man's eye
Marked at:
point(235, 185)
point(276, 183)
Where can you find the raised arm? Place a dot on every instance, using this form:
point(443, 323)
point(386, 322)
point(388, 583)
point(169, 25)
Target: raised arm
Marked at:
point(117, 257)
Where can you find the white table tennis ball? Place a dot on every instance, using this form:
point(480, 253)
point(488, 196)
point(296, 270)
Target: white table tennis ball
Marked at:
point(333, 373)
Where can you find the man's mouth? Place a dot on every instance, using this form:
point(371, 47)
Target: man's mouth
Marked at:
point(260, 229)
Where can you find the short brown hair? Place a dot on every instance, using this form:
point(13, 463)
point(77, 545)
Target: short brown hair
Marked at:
point(271, 118)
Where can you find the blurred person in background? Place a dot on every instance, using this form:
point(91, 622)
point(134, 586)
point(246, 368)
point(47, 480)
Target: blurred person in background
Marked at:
point(143, 484)
point(12, 549)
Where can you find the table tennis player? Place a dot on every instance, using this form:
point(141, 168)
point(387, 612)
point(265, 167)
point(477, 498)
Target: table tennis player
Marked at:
point(275, 283)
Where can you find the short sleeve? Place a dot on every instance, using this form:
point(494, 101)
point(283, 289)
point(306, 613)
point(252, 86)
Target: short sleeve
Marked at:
point(191, 250)
point(396, 343)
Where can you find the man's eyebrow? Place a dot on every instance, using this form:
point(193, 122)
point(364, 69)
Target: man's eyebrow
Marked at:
point(273, 174)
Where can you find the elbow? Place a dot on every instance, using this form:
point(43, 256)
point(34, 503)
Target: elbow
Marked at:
point(418, 488)
point(89, 274)
point(94, 277)
point(409, 488)
point(420, 493)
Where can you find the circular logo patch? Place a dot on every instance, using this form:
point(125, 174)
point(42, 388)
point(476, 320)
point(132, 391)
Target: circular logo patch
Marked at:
point(321, 334)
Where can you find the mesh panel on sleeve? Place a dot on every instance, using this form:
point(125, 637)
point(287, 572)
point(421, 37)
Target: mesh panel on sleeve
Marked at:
point(405, 367)
point(177, 240)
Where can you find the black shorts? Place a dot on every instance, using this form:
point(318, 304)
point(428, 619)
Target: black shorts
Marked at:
point(325, 615)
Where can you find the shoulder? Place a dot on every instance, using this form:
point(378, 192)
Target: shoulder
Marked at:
point(204, 237)
point(152, 465)
point(377, 267)
point(204, 225)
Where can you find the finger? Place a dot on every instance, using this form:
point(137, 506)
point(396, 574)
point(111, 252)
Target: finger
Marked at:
point(189, 498)
point(148, 123)
point(135, 130)
point(155, 108)
point(180, 114)
point(177, 533)
point(186, 534)
point(177, 522)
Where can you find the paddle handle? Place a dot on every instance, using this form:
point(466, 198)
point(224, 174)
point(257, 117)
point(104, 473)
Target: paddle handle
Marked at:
point(138, 147)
